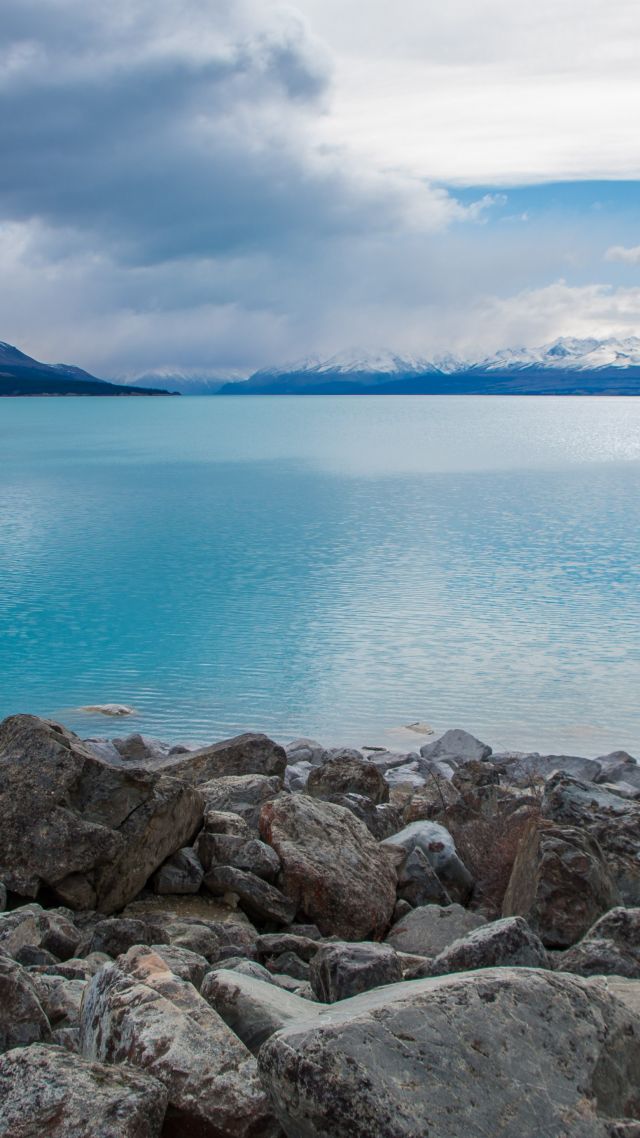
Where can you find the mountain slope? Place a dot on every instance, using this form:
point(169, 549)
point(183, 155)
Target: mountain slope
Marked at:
point(564, 367)
point(20, 375)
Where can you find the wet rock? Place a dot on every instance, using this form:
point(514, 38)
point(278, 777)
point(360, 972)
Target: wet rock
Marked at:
point(610, 947)
point(505, 943)
point(427, 931)
point(456, 747)
point(346, 1073)
point(613, 821)
point(259, 899)
point(112, 710)
point(332, 868)
point(338, 971)
point(137, 1012)
point(22, 1017)
point(437, 845)
point(249, 754)
point(348, 776)
point(241, 794)
point(48, 1091)
point(180, 873)
point(91, 832)
point(559, 883)
point(253, 1009)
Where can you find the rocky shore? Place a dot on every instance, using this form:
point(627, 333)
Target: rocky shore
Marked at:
point(251, 941)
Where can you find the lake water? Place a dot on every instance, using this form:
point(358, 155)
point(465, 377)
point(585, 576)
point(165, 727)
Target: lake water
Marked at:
point(334, 567)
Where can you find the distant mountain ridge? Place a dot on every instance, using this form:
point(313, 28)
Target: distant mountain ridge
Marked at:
point(568, 366)
point(20, 375)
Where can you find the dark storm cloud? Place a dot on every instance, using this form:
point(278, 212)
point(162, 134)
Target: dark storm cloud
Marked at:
point(162, 149)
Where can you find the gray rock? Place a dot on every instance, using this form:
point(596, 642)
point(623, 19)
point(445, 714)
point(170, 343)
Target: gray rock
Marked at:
point(610, 947)
point(408, 775)
point(456, 747)
point(91, 832)
point(306, 751)
point(427, 931)
point(137, 1012)
point(271, 945)
point(418, 882)
point(29, 956)
point(3, 897)
point(289, 964)
point(253, 1009)
point(381, 821)
point(248, 754)
point(183, 962)
point(116, 935)
point(257, 897)
point(614, 822)
point(142, 749)
point(18, 929)
point(60, 999)
point(296, 775)
point(505, 943)
point(338, 971)
point(22, 1017)
point(225, 822)
point(241, 794)
point(250, 855)
point(180, 873)
point(420, 1058)
point(341, 775)
point(392, 760)
point(439, 848)
point(559, 882)
point(619, 766)
point(524, 769)
point(48, 1091)
point(332, 868)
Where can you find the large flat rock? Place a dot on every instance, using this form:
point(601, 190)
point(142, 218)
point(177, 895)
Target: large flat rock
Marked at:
point(517, 1052)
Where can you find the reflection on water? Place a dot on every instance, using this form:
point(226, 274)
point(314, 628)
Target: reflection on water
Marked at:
point(334, 567)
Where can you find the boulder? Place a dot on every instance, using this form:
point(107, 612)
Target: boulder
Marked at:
point(348, 776)
point(118, 934)
point(272, 945)
point(439, 848)
point(296, 775)
point(611, 947)
point(455, 747)
point(306, 751)
point(338, 971)
point(332, 868)
point(248, 854)
point(48, 1091)
point(559, 883)
point(257, 897)
point(180, 873)
point(137, 1012)
point(183, 962)
point(619, 766)
point(252, 1008)
point(22, 1017)
point(18, 929)
point(381, 821)
point(505, 943)
point(225, 822)
point(249, 754)
point(427, 931)
point(418, 882)
point(91, 832)
point(3, 896)
point(243, 795)
point(59, 998)
point(613, 821)
point(525, 769)
point(391, 760)
point(473, 1054)
point(407, 775)
point(141, 749)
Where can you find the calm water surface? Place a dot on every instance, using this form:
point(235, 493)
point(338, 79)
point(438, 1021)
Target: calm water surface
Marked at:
point(336, 567)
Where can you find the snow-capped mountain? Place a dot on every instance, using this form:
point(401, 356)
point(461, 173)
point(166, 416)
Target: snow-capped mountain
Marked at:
point(566, 353)
point(201, 382)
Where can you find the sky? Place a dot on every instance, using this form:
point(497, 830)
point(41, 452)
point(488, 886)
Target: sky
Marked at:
point(210, 187)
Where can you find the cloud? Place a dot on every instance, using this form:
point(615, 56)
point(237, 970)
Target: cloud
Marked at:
point(626, 255)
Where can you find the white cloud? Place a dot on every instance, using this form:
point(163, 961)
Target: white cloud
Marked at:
point(627, 255)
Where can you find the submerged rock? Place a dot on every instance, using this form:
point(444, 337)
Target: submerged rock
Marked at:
point(473, 1054)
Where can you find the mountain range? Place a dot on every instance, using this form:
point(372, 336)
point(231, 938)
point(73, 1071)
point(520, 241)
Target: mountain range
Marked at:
point(567, 366)
point(22, 375)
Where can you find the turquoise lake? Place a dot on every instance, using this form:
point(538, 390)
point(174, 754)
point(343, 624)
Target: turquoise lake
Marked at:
point(333, 567)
